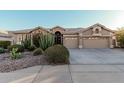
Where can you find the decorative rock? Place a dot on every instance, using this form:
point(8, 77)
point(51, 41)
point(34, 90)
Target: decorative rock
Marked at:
point(28, 60)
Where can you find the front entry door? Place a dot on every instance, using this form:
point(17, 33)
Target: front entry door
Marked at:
point(58, 38)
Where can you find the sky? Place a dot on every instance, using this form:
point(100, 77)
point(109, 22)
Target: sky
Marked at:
point(24, 19)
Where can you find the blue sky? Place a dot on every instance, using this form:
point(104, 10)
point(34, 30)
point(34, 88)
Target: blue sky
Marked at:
point(21, 19)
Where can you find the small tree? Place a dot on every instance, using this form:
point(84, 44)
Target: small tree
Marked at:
point(120, 36)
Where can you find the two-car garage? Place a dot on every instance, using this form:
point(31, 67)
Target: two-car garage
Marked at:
point(90, 42)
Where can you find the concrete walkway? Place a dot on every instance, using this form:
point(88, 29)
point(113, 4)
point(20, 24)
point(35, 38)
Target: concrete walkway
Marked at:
point(66, 74)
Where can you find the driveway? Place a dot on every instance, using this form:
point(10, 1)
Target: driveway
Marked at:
point(96, 56)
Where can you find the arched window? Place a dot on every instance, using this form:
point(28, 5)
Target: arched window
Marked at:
point(97, 31)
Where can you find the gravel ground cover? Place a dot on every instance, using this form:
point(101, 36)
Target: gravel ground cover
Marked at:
point(27, 60)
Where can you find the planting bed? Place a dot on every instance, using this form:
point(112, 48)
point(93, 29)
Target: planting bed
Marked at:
point(27, 60)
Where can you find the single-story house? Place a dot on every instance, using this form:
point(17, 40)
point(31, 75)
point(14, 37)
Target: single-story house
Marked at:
point(95, 36)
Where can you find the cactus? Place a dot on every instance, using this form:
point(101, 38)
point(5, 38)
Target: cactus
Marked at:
point(14, 54)
point(27, 42)
point(46, 41)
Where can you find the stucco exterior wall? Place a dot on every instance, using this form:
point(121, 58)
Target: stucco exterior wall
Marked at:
point(105, 32)
point(88, 32)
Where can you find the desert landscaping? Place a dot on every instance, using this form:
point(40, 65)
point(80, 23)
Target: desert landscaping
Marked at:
point(27, 54)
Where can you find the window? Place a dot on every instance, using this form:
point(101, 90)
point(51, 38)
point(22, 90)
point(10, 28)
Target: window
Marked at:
point(97, 31)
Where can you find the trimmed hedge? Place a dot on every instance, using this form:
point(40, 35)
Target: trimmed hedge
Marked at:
point(20, 47)
point(5, 44)
point(37, 51)
point(57, 54)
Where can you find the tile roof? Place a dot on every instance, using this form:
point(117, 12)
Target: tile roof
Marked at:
point(22, 31)
point(67, 30)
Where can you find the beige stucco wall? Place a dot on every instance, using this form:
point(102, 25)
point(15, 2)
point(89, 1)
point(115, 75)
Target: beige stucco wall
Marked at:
point(18, 38)
point(105, 32)
point(90, 32)
point(21, 36)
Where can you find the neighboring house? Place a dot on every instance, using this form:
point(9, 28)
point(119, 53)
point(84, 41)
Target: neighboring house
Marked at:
point(6, 36)
point(95, 36)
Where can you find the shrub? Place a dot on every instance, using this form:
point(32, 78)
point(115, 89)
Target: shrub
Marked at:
point(37, 51)
point(57, 54)
point(5, 44)
point(14, 54)
point(32, 48)
point(46, 41)
point(2, 50)
point(20, 47)
point(120, 38)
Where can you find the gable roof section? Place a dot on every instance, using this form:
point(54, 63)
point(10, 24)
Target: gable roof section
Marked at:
point(72, 30)
point(22, 31)
point(28, 30)
point(39, 27)
point(57, 27)
point(97, 24)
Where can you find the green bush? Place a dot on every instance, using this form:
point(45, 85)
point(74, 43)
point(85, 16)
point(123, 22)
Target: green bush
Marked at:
point(32, 48)
point(14, 54)
point(57, 54)
point(2, 50)
point(5, 44)
point(37, 51)
point(20, 47)
point(46, 40)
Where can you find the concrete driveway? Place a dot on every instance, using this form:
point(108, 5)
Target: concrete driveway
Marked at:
point(96, 56)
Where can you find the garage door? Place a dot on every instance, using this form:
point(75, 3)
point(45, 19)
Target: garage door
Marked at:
point(70, 42)
point(96, 43)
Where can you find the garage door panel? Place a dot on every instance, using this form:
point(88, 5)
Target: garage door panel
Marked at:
point(96, 43)
point(70, 42)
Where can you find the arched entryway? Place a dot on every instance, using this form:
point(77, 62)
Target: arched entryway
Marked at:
point(58, 38)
